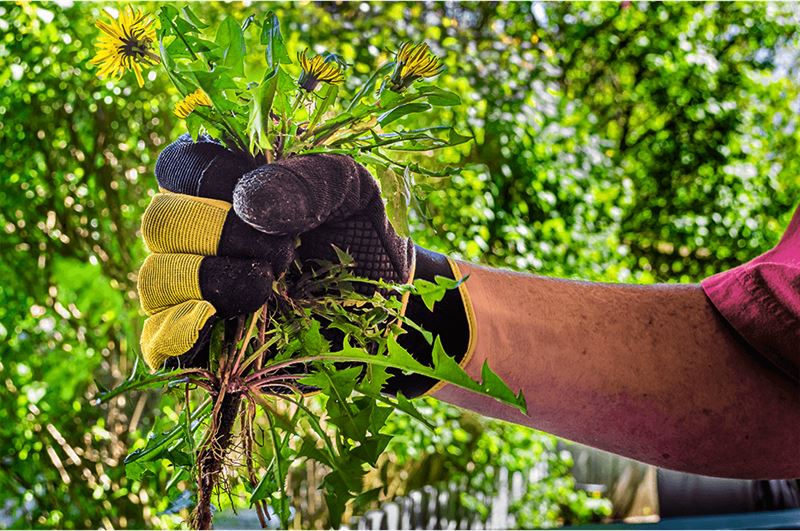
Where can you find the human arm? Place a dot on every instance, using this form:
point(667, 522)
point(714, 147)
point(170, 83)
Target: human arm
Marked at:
point(650, 372)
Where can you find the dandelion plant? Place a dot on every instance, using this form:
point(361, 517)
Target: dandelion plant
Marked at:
point(248, 416)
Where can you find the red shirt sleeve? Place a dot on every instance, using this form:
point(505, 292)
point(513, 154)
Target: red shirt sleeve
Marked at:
point(761, 300)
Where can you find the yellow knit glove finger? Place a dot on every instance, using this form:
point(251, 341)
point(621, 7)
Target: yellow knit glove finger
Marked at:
point(167, 280)
point(177, 223)
point(174, 331)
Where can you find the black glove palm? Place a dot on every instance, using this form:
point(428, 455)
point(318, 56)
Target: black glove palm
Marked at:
point(329, 201)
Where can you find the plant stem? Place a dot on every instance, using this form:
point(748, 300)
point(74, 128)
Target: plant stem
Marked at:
point(248, 416)
point(223, 124)
point(262, 335)
point(245, 342)
point(283, 512)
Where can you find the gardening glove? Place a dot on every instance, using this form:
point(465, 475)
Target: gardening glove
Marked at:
point(332, 201)
point(206, 264)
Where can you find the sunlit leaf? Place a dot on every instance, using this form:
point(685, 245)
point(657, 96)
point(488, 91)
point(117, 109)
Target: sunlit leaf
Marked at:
point(397, 195)
point(276, 53)
point(401, 111)
point(230, 40)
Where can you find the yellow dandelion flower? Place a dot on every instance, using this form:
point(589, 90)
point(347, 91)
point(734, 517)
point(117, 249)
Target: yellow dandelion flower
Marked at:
point(196, 99)
point(412, 62)
point(126, 43)
point(319, 69)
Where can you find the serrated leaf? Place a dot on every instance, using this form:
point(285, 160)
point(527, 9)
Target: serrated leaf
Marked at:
point(353, 426)
point(405, 405)
point(339, 384)
point(401, 358)
point(433, 292)
point(449, 369)
point(309, 450)
point(335, 500)
point(343, 257)
point(371, 449)
point(377, 417)
point(214, 84)
point(259, 118)
point(376, 378)
point(445, 368)
point(400, 402)
point(495, 386)
point(312, 340)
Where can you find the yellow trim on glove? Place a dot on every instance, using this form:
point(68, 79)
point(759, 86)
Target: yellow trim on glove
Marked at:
point(169, 279)
point(178, 223)
point(471, 327)
point(174, 331)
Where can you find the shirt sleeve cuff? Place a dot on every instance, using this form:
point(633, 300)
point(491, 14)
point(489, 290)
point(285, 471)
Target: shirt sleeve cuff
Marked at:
point(762, 301)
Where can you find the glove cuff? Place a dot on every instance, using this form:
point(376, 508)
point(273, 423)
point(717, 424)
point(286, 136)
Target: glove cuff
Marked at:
point(452, 319)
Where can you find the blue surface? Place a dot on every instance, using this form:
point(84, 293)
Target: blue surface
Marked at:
point(786, 519)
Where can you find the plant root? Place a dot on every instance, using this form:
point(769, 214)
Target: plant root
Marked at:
point(210, 458)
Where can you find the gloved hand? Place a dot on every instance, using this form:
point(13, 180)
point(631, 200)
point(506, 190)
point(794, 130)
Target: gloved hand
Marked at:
point(206, 263)
point(330, 200)
point(327, 201)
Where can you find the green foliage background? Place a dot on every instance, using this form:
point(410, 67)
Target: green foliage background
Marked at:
point(621, 142)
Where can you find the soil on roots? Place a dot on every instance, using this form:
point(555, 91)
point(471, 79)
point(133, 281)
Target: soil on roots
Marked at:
point(210, 460)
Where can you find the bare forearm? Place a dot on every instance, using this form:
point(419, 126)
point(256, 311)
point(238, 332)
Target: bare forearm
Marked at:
point(650, 372)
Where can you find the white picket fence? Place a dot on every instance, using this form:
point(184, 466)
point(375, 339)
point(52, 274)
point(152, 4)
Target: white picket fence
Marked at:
point(432, 508)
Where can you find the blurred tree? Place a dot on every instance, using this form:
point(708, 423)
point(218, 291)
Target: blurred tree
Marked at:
point(76, 154)
point(621, 142)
